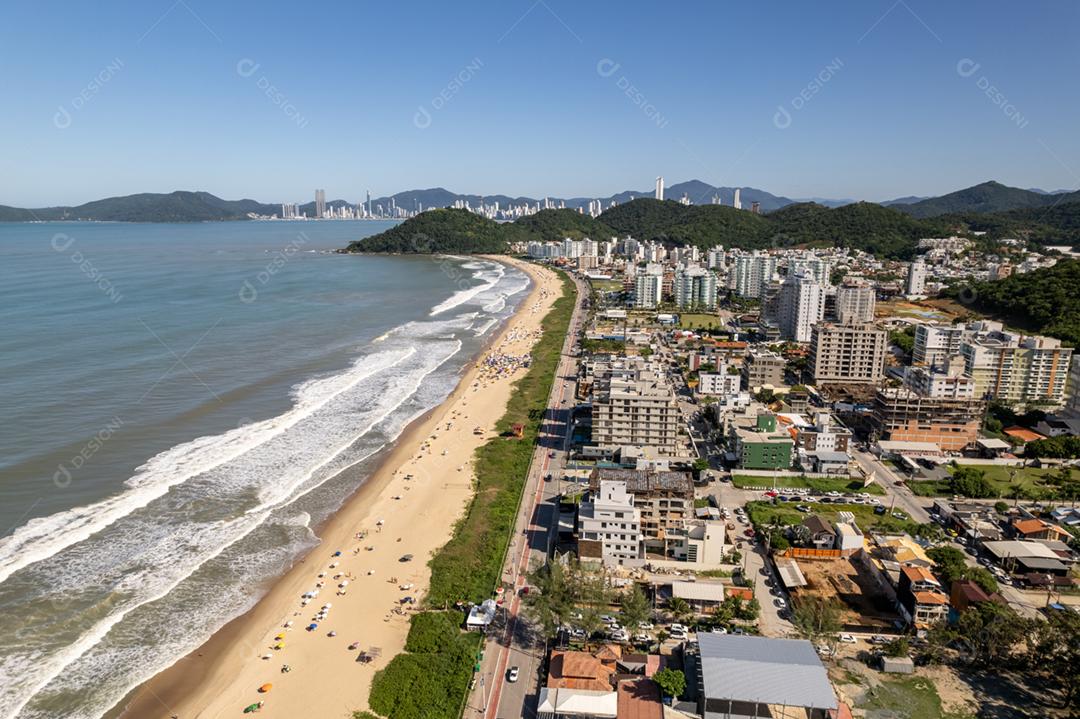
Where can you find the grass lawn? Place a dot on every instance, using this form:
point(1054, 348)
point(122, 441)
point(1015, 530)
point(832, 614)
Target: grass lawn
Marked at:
point(910, 698)
point(763, 514)
point(606, 285)
point(694, 320)
point(1028, 478)
point(820, 484)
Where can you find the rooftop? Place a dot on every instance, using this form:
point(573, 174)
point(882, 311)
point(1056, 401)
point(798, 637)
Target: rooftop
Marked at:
point(768, 671)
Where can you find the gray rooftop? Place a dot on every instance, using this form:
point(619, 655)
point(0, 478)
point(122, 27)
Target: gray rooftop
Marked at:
point(641, 480)
point(768, 671)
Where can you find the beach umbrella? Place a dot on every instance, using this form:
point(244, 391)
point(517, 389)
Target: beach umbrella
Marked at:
point(279, 645)
point(253, 707)
point(265, 688)
point(279, 637)
point(337, 553)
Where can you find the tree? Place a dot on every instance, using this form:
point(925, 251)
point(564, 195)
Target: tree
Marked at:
point(991, 631)
point(897, 647)
point(801, 535)
point(1055, 649)
point(817, 619)
point(635, 607)
point(672, 682)
point(701, 464)
point(971, 482)
point(551, 599)
point(1001, 507)
point(679, 608)
point(777, 540)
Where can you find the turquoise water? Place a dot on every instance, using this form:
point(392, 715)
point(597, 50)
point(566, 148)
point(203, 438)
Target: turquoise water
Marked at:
point(180, 404)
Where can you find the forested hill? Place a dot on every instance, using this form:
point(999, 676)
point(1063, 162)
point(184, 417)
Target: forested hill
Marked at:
point(1045, 301)
point(179, 206)
point(438, 231)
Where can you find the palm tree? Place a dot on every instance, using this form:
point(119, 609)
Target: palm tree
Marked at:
point(679, 608)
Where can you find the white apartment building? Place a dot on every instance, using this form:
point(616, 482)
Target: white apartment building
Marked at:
point(722, 383)
point(941, 381)
point(855, 303)
point(934, 344)
point(801, 306)
point(648, 288)
point(811, 266)
point(847, 354)
point(609, 526)
point(916, 279)
point(633, 404)
point(695, 288)
point(1017, 368)
point(752, 272)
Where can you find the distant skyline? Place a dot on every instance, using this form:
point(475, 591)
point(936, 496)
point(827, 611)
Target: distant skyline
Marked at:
point(861, 99)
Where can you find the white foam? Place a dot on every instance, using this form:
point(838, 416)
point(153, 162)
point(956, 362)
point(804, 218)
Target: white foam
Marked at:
point(490, 273)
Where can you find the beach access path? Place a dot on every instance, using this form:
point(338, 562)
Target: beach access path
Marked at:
point(407, 507)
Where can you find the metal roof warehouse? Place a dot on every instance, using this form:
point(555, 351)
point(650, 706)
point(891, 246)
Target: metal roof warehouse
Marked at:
point(737, 674)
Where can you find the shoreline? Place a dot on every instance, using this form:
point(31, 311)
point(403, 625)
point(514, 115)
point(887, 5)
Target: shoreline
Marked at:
point(213, 680)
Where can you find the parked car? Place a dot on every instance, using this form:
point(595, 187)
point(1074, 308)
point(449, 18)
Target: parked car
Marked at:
point(880, 509)
point(676, 627)
point(512, 675)
point(878, 639)
point(848, 639)
point(802, 508)
point(647, 626)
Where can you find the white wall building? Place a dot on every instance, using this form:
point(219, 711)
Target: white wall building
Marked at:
point(611, 522)
point(801, 306)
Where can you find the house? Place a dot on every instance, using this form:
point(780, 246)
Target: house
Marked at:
point(821, 534)
point(577, 704)
point(1069, 516)
point(849, 538)
point(920, 597)
point(1035, 528)
point(702, 597)
point(580, 670)
point(965, 593)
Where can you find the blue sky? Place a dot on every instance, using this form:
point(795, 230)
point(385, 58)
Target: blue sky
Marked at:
point(270, 100)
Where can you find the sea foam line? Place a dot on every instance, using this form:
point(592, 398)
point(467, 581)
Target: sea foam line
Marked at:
point(42, 538)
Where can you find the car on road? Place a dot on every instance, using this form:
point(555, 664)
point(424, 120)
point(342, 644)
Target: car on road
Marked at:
point(848, 639)
point(780, 603)
point(771, 494)
point(879, 639)
point(513, 674)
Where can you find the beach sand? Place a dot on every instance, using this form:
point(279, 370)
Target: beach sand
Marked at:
point(224, 675)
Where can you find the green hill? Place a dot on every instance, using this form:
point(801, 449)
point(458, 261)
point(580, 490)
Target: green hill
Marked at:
point(180, 206)
point(438, 231)
point(1056, 224)
point(1046, 301)
point(864, 226)
point(983, 198)
point(558, 224)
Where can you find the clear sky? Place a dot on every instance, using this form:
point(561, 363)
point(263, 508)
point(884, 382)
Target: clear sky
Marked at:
point(867, 99)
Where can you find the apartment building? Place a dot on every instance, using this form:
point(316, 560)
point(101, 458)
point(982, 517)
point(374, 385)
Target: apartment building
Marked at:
point(855, 301)
point(633, 404)
point(758, 444)
point(1017, 368)
point(664, 501)
point(1072, 404)
point(648, 288)
point(752, 272)
point(847, 354)
point(801, 305)
point(901, 414)
point(946, 380)
point(695, 288)
point(609, 526)
point(763, 367)
point(722, 383)
point(936, 343)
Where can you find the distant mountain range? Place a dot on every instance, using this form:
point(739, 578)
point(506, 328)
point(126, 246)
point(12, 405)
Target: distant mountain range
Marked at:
point(182, 206)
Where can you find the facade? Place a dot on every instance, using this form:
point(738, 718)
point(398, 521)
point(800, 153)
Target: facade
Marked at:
point(921, 597)
point(823, 436)
point(648, 288)
point(901, 414)
point(759, 444)
point(695, 288)
point(664, 501)
point(633, 404)
point(1072, 404)
point(609, 526)
point(752, 273)
point(1017, 368)
point(916, 279)
point(722, 383)
point(942, 381)
point(934, 344)
point(764, 367)
point(855, 303)
point(801, 306)
point(847, 354)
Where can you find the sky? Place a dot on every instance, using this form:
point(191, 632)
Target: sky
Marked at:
point(863, 99)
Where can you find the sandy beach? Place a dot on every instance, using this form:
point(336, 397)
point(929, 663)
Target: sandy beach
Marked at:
point(408, 507)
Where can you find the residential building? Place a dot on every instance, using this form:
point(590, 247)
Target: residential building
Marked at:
point(945, 380)
point(763, 367)
point(855, 302)
point(1072, 403)
point(752, 272)
point(916, 279)
point(664, 501)
point(633, 404)
point(649, 287)
point(609, 526)
point(901, 414)
point(702, 597)
point(934, 344)
point(822, 535)
point(1016, 368)
point(921, 598)
point(700, 543)
point(847, 354)
point(824, 435)
point(695, 288)
point(723, 383)
point(758, 443)
point(801, 306)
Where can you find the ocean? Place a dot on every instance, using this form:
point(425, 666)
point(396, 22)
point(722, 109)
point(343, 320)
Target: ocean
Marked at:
point(183, 404)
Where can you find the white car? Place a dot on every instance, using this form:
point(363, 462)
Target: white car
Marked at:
point(608, 619)
point(676, 627)
point(848, 639)
point(512, 675)
point(645, 625)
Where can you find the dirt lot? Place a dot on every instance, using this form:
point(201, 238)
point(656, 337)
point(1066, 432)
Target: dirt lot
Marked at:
point(865, 604)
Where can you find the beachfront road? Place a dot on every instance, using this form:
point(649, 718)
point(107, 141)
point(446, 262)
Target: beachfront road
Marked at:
point(515, 642)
